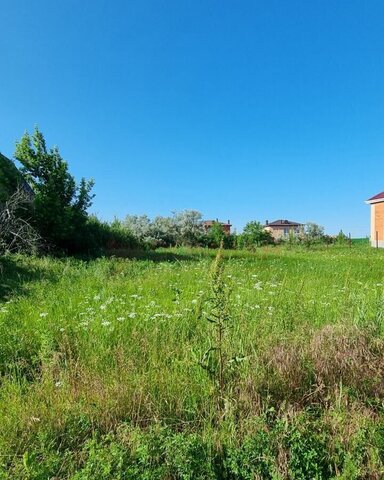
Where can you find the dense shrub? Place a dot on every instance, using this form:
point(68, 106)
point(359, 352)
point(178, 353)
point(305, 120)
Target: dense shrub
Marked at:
point(182, 228)
point(60, 205)
point(253, 236)
point(299, 447)
point(97, 237)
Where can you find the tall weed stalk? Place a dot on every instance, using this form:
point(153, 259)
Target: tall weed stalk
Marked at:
point(217, 360)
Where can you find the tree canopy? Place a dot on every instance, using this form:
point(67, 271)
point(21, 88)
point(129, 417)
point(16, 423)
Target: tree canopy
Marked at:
point(60, 204)
point(255, 235)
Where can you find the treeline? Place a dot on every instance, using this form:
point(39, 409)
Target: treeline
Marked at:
point(44, 196)
point(188, 228)
point(42, 207)
point(181, 228)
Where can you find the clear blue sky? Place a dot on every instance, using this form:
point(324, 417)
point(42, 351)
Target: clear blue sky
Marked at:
point(240, 109)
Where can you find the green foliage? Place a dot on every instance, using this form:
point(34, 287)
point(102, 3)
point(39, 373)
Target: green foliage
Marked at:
point(182, 228)
point(217, 360)
point(313, 234)
point(341, 238)
point(97, 237)
point(255, 457)
point(10, 178)
point(216, 235)
point(60, 205)
point(214, 360)
point(100, 375)
point(254, 235)
point(295, 448)
point(308, 451)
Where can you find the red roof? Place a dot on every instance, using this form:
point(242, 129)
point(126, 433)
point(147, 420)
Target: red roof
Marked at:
point(377, 197)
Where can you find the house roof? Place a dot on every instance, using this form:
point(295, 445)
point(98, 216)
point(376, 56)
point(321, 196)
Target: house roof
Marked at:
point(283, 223)
point(211, 222)
point(376, 198)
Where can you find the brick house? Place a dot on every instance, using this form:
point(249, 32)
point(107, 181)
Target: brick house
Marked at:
point(226, 226)
point(377, 219)
point(281, 229)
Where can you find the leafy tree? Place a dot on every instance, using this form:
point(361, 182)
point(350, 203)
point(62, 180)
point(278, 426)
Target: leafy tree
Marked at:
point(189, 224)
point(341, 238)
point(60, 206)
point(313, 233)
point(160, 232)
point(216, 235)
point(139, 226)
point(254, 235)
point(182, 228)
point(164, 231)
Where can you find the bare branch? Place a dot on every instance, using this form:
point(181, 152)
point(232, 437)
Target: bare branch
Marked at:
point(16, 233)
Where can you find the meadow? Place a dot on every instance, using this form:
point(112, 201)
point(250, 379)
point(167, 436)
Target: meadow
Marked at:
point(174, 365)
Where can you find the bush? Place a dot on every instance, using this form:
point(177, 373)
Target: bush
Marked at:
point(97, 237)
point(60, 205)
point(254, 235)
point(254, 458)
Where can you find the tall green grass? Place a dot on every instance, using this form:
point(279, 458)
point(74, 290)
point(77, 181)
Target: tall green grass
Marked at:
point(101, 376)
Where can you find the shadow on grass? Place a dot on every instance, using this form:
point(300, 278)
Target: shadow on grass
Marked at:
point(180, 254)
point(153, 255)
point(16, 274)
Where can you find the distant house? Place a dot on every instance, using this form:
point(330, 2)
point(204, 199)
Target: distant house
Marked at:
point(226, 226)
point(11, 179)
point(377, 219)
point(280, 229)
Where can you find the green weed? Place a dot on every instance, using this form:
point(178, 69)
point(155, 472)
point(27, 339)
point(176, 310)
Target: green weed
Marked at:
point(100, 374)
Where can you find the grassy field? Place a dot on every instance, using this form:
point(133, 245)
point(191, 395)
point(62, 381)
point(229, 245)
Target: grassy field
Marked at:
point(265, 365)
